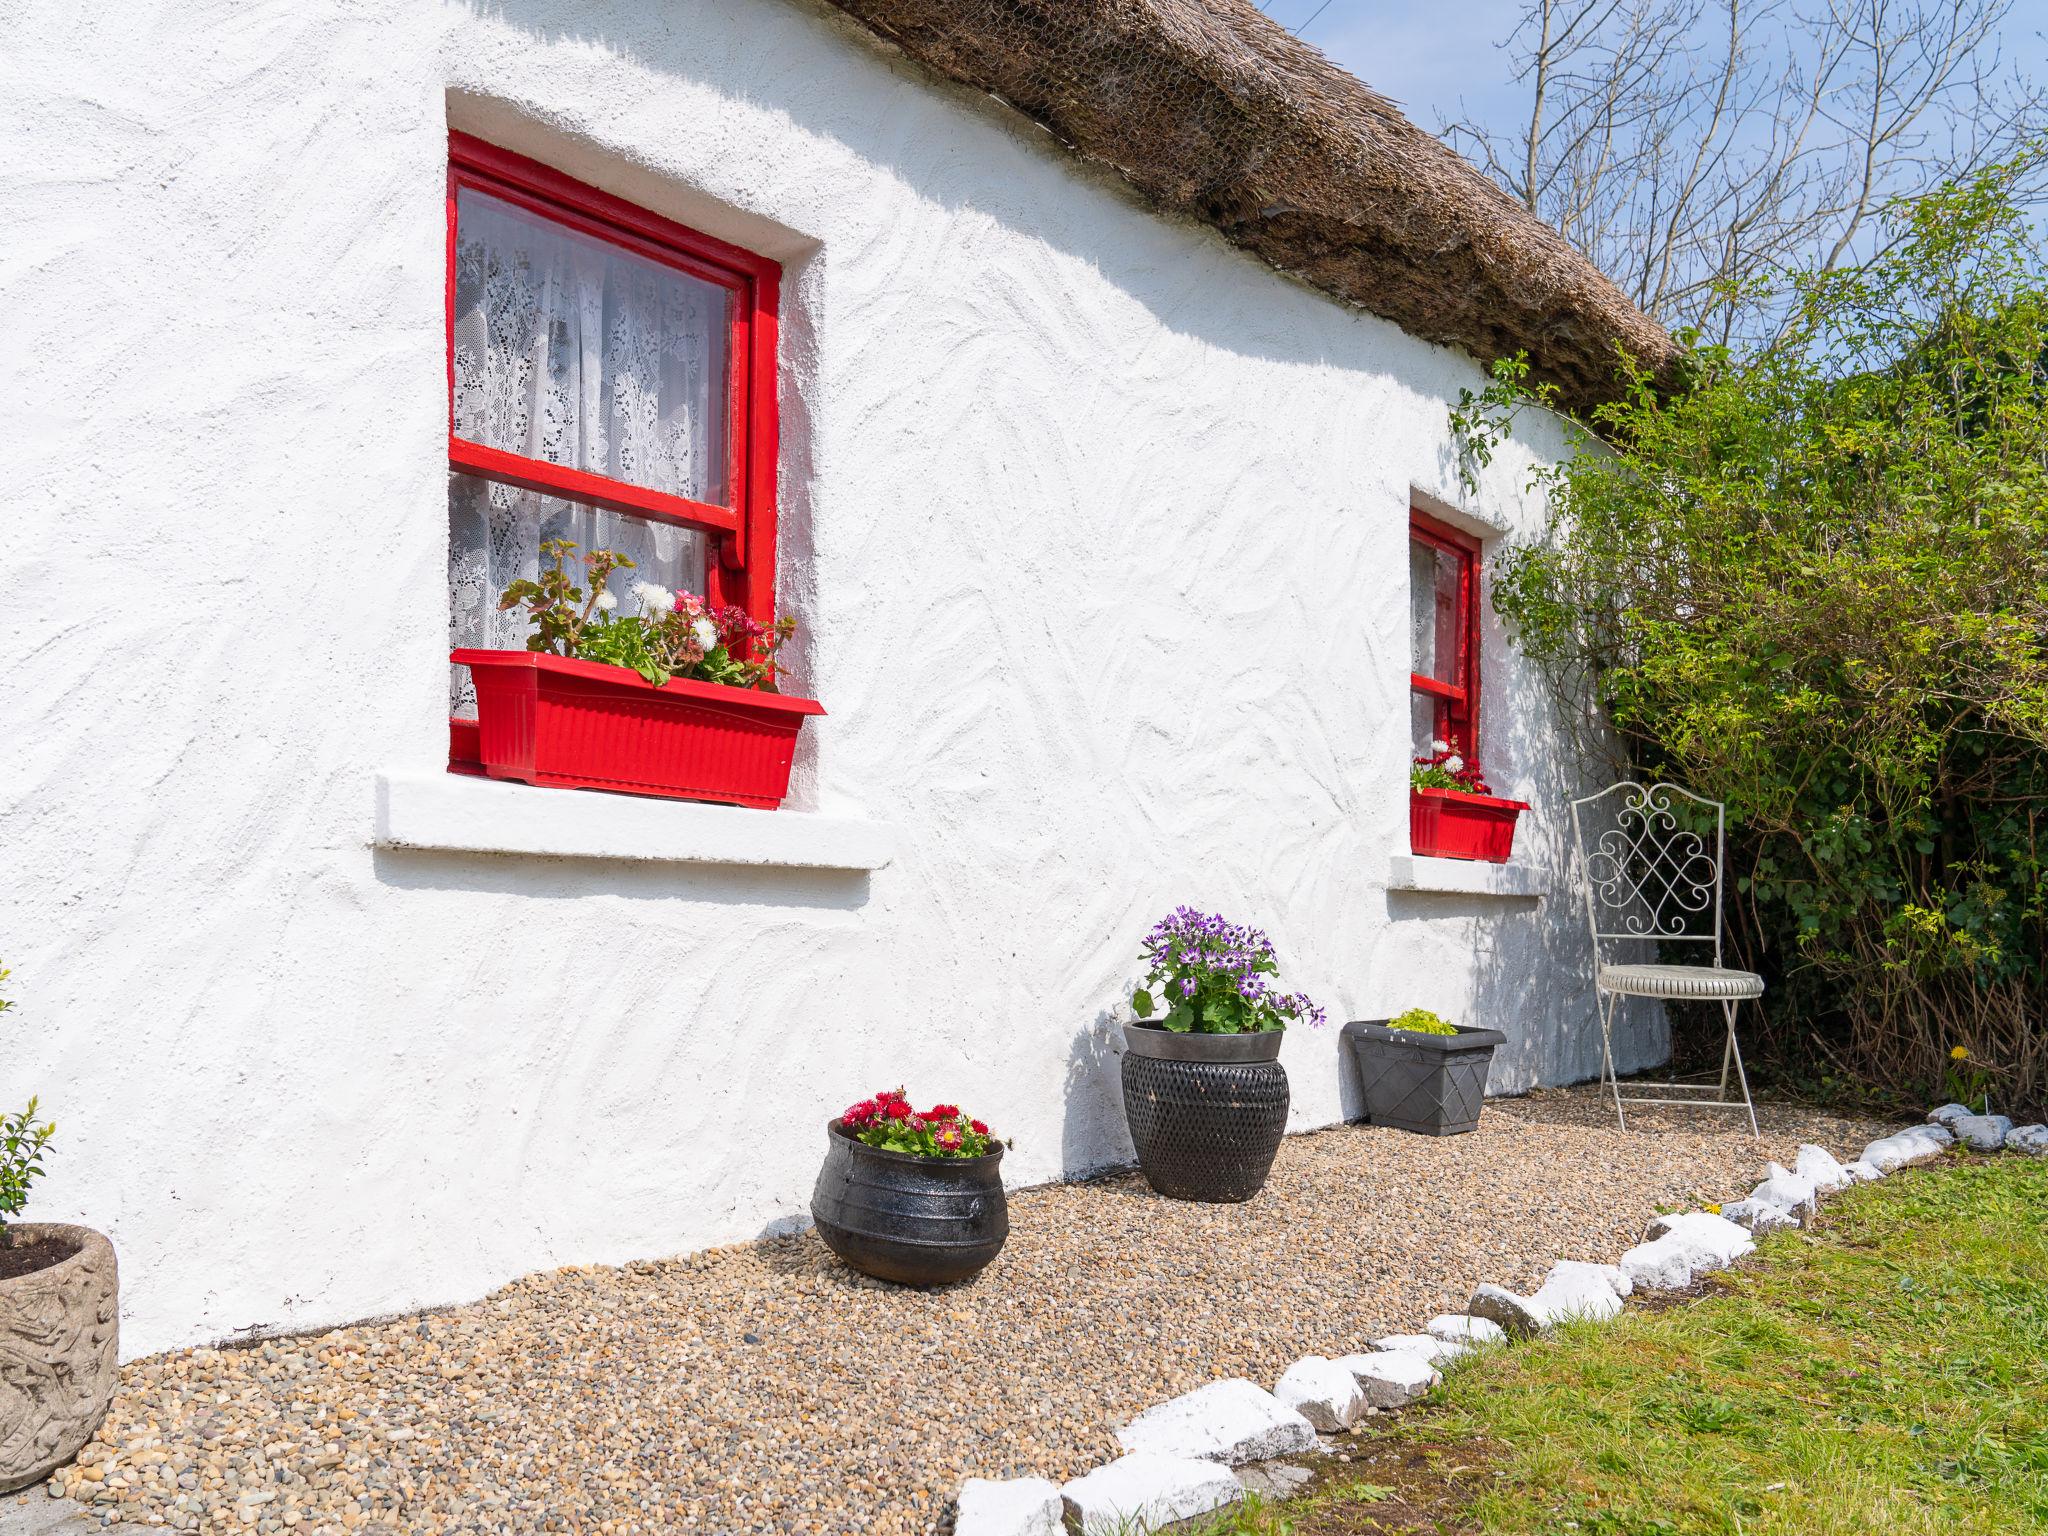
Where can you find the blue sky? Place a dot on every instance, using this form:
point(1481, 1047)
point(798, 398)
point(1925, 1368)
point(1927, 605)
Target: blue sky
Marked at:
point(1426, 54)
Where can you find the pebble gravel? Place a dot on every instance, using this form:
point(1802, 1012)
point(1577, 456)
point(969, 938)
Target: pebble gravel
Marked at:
point(764, 1388)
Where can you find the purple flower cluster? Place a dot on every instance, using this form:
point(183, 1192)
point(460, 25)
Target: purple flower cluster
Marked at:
point(1221, 972)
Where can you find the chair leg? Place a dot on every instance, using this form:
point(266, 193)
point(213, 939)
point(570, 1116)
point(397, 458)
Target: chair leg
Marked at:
point(1727, 1055)
point(1607, 1007)
point(1735, 1051)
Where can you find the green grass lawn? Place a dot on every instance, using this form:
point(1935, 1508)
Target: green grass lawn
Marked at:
point(1885, 1374)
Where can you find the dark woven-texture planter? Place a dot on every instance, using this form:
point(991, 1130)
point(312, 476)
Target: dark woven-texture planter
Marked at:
point(1434, 1085)
point(914, 1220)
point(1206, 1112)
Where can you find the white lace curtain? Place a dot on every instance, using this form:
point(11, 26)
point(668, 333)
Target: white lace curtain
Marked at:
point(576, 352)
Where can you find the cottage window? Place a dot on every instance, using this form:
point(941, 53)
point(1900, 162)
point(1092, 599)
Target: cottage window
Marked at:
point(1443, 599)
point(611, 379)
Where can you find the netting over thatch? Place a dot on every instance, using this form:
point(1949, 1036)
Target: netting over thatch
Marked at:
point(1213, 110)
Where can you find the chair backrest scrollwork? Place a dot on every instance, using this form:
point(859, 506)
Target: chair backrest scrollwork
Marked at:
point(1650, 864)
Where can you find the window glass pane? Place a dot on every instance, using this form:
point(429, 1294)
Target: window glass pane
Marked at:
point(1423, 713)
point(494, 537)
point(1433, 611)
point(574, 351)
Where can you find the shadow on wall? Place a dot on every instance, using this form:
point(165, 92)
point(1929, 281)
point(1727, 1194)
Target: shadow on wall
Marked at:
point(415, 869)
point(779, 70)
point(1553, 1037)
point(1094, 1101)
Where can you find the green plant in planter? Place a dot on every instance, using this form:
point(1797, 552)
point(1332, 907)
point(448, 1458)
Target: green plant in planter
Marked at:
point(22, 1142)
point(1211, 976)
point(675, 634)
point(1420, 1021)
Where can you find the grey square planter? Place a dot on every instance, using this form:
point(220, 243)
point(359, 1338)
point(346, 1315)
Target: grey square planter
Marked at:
point(1434, 1085)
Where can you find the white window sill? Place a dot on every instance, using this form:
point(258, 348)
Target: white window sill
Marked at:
point(455, 812)
point(1468, 877)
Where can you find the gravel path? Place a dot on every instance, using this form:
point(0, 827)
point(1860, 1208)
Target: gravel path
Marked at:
point(764, 1388)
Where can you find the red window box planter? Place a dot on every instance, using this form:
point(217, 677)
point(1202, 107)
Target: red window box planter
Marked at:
point(1448, 824)
point(585, 725)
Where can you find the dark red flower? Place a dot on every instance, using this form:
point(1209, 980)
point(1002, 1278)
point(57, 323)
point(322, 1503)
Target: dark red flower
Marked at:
point(979, 1128)
point(896, 1109)
point(943, 1112)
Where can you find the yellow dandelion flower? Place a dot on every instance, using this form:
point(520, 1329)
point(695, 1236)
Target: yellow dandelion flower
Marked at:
point(1959, 1053)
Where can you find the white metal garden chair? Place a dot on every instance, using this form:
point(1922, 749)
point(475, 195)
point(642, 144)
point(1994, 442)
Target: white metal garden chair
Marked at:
point(1651, 879)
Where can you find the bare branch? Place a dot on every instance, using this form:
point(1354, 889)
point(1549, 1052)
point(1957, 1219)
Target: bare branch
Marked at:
point(1699, 150)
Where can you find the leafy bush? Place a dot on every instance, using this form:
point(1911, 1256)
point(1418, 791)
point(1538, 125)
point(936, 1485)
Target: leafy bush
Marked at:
point(1420, 1021)
point(1212, 976)
point(1814, 584)
point(22, 1143)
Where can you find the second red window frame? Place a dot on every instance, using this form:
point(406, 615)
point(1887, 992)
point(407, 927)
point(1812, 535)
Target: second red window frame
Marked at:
point(1443, 680)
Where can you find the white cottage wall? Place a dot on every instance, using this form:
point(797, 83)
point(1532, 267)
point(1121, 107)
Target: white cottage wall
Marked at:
point(1096, 528)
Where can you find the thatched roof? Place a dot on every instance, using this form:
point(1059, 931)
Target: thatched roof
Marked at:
point(1211, 109)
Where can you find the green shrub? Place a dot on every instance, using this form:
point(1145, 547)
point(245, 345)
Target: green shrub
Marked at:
point(1421, 1021)
point(1814, 584)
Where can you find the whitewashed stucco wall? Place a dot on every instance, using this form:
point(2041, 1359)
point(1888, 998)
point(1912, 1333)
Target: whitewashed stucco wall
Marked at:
point(1097, 530)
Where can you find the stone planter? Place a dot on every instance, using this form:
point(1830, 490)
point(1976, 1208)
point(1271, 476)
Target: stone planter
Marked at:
point(59, 1347)
point(1206, 1112)
point(1434, 1085)
point(919, 1221)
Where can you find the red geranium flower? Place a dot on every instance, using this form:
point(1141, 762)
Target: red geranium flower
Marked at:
point(888, 1121)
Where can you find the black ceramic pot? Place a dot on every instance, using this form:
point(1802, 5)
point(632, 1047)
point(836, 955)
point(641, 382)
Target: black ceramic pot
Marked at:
point(914, 1220)
point(1206, 1111)
point(1434, 1085)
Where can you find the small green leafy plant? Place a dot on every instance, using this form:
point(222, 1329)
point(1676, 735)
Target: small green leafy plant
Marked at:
point(1966, 1081)
point(1420, 1021)
point(675, 634)
point(22, 1143)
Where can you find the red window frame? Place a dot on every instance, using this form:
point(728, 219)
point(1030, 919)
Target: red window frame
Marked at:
point(740, 565)
point(1456, 702)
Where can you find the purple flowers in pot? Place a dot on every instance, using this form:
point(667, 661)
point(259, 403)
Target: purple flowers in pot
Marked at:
point(1209, 976)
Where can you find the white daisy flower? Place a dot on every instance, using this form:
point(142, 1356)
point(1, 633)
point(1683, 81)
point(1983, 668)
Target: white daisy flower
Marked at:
point(1454, 763)
point(706, 633)
point(1439, 746)
point(606, 602)
point(654, 598)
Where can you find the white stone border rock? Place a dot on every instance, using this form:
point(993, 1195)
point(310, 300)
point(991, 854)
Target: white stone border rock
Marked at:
point(1180, 1453)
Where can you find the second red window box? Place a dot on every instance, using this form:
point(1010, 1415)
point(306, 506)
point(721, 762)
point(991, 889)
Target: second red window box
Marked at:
point(1450, 824)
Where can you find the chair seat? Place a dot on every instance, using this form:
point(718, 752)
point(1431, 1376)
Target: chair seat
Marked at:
point(1680, 981)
